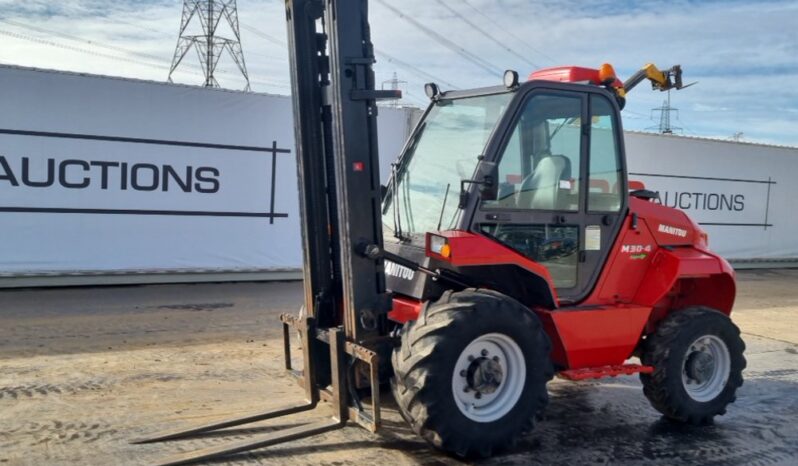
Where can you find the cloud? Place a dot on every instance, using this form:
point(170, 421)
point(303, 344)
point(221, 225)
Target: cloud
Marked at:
point(742, 53)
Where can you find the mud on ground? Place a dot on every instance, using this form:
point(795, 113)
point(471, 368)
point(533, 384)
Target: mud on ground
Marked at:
point(83, 371)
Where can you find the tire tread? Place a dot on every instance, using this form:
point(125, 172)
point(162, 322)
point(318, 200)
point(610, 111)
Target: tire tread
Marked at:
point(415, 373)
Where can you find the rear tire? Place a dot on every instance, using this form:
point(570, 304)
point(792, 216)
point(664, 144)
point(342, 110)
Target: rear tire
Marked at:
point(697, 354)
point(471, 372)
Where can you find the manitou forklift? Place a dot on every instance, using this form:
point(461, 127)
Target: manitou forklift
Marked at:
point(509, 246)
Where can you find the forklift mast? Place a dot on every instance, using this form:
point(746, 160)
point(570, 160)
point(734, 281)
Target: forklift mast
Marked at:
point(335, 125)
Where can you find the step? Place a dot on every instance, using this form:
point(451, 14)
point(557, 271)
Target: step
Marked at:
point(605, 371)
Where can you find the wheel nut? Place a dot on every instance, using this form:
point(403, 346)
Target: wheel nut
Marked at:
point(495, 358)
point(470, 358)
point(462, 373)
point(484, 352)
point(465, 390)
point(478, 395)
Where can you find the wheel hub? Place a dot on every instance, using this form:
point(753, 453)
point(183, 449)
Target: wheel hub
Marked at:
point(700, 366)
point(488, 377)
point(484, 375)
point(706, 368)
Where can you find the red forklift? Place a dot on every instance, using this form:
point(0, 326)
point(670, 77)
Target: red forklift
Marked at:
point(508, 247)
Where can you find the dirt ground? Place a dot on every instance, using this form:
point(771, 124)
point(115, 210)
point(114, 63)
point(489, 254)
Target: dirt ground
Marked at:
point(83, 371)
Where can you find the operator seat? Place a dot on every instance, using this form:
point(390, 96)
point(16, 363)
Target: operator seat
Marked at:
point(541, 188)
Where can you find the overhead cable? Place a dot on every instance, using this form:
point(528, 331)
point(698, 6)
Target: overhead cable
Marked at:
point(81, 50)
point(503, 44)
point(414, 69)
point(269, 37)
point(80, 39)
point(390, 58)
point(505, 30)
point(474, 59)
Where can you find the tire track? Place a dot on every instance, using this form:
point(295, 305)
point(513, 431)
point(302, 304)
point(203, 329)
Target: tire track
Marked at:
point(57, 432)
point(38, 389)
point(45, 389)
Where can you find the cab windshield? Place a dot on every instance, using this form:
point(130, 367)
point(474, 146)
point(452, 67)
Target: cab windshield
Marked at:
point(444, 150)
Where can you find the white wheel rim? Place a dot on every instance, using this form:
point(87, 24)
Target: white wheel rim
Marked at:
point(493, 353)
point(706, 368)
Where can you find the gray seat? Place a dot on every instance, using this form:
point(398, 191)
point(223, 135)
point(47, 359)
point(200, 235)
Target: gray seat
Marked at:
point(540, 189)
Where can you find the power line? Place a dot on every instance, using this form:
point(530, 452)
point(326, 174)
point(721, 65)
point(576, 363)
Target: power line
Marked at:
point(148, 60)
point(502, 44)
point(145, 58)
point(418, 71)
point(505, 30)
point(262, 34)
point(162, 66)
point(388, 57)
point(80, 39)
point(484, 64)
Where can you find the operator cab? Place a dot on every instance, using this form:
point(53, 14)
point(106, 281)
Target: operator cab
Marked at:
point(536, 167)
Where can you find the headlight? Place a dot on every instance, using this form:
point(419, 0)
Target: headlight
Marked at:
point(440, 246)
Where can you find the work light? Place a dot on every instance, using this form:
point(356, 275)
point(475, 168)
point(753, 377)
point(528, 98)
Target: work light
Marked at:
point(432, 90)
point(510, 79)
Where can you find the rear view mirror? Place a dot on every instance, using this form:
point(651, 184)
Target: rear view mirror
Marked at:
point(488, 178)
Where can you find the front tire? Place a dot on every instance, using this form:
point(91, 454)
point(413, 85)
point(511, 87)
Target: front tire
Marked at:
point(471, 372)
point(697, 354)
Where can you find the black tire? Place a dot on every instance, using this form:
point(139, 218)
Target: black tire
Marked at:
point(425, 362)
point(666, 349)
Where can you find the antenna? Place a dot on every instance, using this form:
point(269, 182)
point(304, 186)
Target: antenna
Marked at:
point(209, 45)
point(665, 117)
point(394, 82)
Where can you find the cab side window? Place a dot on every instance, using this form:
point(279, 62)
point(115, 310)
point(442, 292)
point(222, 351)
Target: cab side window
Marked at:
point(605, 180)
point(539, 167)
point(539, 171)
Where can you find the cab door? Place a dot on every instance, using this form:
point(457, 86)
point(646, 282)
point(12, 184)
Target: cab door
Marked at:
point(557, 205)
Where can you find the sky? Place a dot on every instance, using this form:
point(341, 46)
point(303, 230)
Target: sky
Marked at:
point(742, 54)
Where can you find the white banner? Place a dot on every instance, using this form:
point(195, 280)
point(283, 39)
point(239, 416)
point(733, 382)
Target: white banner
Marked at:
point(741, 194)
point(101, 174)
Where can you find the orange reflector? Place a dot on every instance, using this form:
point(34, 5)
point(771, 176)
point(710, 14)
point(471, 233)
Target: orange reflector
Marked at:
point(446, 251)
point(607, 74)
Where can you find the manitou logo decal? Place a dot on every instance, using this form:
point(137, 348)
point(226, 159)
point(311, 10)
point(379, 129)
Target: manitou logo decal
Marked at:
point(680, 232)
point(399, 271)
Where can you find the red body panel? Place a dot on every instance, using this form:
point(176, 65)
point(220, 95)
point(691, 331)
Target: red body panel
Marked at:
point(405, 309)
point(627, 263)
point(640, 271)
point(669, 226)
point(592, 337)
point(473, 249)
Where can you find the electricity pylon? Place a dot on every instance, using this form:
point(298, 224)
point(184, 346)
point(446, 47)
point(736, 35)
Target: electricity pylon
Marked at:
point(209, 45)
point(665, 111)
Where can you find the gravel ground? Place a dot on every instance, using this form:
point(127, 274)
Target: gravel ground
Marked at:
point(84, 370)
